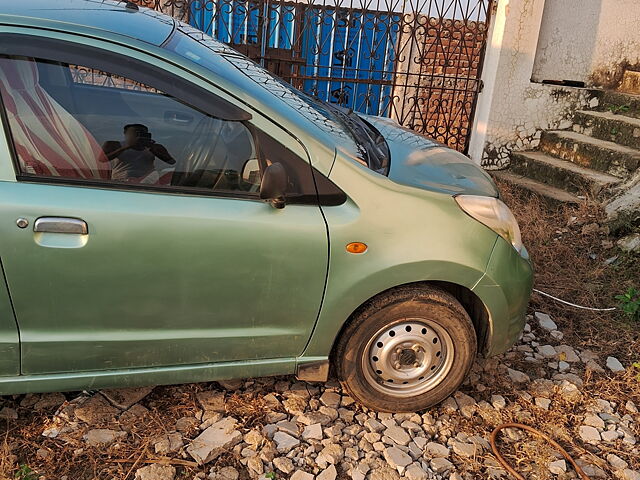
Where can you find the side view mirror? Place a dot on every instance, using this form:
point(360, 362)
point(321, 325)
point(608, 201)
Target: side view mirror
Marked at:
point(251, 174)
point(274, 185)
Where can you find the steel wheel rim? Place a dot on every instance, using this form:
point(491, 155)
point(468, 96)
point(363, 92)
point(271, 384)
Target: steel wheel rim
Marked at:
point(408, 357)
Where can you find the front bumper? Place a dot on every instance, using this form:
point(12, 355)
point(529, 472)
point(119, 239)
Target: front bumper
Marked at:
point(505, 290)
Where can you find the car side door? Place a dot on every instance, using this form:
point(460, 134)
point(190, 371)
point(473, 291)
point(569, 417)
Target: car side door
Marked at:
point(156, 266)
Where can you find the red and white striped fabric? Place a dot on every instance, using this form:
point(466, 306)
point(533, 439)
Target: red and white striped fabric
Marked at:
point(49, 141)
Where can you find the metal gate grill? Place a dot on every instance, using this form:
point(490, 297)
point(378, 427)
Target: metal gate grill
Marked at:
point(418, 61)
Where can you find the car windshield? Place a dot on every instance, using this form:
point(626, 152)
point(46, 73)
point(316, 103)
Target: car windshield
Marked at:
point(202, 49)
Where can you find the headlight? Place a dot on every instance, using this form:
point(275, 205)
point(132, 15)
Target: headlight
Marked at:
point(494, 214)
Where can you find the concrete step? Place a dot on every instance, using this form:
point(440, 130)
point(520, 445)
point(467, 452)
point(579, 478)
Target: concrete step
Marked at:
point(608, 126)
point(554, 195)
point(561, 174)
point(590, 152)
point(626, 104)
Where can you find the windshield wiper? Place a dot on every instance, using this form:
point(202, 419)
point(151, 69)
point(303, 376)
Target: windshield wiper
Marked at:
point(371, 141)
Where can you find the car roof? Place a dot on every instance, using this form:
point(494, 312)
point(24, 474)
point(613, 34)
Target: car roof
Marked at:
point(114, 16)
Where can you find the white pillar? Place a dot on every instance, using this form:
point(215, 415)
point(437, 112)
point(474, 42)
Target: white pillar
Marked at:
point(507, 72)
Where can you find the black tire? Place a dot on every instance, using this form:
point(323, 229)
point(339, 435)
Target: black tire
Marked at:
point(437, 307)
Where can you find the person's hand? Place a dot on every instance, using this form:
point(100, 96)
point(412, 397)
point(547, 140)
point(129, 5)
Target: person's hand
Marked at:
point(158, 150)
point(162, 153)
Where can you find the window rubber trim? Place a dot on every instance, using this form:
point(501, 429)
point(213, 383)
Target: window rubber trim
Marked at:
point(16, 44)
point(300, 199)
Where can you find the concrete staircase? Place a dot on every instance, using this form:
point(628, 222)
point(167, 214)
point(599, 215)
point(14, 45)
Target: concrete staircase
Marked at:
point(599, 153)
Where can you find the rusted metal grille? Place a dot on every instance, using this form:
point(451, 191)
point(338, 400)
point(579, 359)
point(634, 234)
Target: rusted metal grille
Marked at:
point(91, 76)
point(418, 61)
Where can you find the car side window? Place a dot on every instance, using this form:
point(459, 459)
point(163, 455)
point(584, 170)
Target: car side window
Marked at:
point(78, 123)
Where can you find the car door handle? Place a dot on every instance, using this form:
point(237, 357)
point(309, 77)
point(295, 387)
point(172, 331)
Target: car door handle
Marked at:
point(61, 225)
point(177, 117)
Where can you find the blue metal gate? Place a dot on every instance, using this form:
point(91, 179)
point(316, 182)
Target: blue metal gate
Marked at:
point(418, 61)
point(340, 55)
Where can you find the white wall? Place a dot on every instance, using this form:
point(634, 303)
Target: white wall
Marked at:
point(567, 40)
point(618, 41)
point(584, 40)
point(512, 111)
point(588, 40)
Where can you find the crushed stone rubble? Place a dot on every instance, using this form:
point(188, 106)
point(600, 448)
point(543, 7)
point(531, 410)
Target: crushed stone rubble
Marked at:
point(316, 431)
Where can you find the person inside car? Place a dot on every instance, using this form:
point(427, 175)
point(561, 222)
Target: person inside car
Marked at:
point(133, 159)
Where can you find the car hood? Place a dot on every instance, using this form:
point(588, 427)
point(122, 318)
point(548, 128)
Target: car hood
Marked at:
point(417, 161)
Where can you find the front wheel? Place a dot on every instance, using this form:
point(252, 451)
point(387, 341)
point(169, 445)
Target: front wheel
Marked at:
point(406, 350)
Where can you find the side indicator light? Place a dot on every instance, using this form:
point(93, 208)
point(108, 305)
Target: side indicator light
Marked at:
point(357, 247)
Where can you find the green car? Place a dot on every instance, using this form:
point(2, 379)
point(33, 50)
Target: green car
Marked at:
point(171, 212)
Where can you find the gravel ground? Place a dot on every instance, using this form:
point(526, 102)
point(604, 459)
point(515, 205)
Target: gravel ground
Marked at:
point(279, 428)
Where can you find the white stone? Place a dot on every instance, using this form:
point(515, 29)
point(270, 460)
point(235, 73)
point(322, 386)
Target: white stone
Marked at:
point(285, 442)
point(49, 400)
point(396, 457)
point(95, 410)
point(301, 475)
point(517, 376)
point(214, 440)
point(283, 464)
point(156, 472)
point(169, 443)
point(498, 402)
point(374, 425)
point(616, 462)
point(545, 322)
point(594, 421)
point(464, 449)
point(415, 472)
point(328, 473)
point(124, 398)
point(593, 365)
point(628, 474)
point(398, 434)
point(563, 367)
point(288, 427)
point(224, 473)
point(589, 434)
point(330, 455)
point(330, 399)
point(547, 351)
point(358, 474)
point(232, 384)
point(449, 405)
point(255, 466)
point(542, 402)
point(558, 467)
point(441, 465)
point(614, 364)
point(610, 435)
point(212, 401)
point(630, 243)
point(466, 404)
point(312, 432)
point(101, 436)
point(434, 450)
point(557, 335)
